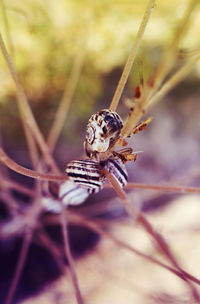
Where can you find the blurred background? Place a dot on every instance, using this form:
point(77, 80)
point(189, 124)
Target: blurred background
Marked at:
point(45, 39)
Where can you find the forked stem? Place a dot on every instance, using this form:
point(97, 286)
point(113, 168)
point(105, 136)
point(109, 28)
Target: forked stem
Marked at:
point(132, 55)
point(92, 225)
point(162, 244)
point(173, 81)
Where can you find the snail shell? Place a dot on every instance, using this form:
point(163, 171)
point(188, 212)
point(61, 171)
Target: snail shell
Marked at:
point(117, 169)
point(69, 193)
point(86, 174)
point(103, 129)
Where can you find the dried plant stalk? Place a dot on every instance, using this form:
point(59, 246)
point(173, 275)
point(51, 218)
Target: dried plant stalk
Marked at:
point(63, 221)
point(178, 189)
point(65, 102)
point(162, 244)
point(20, 265)
point(92, 225)
point(27, 172)
point(131, 58)
point(7, 28)
point(25, 110)
point(9, 184)
point(150, 90)
point(169, 56)
point(44, 241)
point(174, 80)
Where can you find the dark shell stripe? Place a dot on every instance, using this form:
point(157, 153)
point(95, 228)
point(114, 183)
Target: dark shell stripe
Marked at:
point(86, 174)
point(83, 176)
point(71, 194)
point(119, 168)
point(83, 163)
point(82, 168)
point(81, 171)
point(88, 183)
point(68, 192)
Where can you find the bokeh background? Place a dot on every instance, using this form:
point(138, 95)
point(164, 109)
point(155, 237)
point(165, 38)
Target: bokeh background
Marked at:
point(44, 39)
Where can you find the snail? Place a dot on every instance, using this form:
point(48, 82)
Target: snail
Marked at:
point(103, 130)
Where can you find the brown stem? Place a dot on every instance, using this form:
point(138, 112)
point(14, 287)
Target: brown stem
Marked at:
point(92, 225)
point(69, 257)
point(15, 186)
point(179, 189)
point(25, 110)
point(162, 244)
point(20, 265)
point(74, 217)
point(44, 241)
point(7, 28)
point(132, 55)
point(65, 102)
point(27, 172)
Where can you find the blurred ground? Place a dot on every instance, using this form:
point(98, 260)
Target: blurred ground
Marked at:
point(110, 274)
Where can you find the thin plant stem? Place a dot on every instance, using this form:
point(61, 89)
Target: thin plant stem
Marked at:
point(25, 110)
point(92, 225)
point(29, 228)
point(30, 141)
point(20, 265)
point(7, 28)
point(28, 172)
point(76, 218)
point(178, 189)
point(9, 201)
point(132, 55)
point(44, 241)
point(146, 101)
point(42, 176)
point(150, 88)
point(169, 55)
point(33, 151)
point(9, 184)
point(139, 217)
point(173, 81)
point(69, 257)
point(65, 102)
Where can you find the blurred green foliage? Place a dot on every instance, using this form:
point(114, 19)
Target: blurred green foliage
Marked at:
point(47, 36)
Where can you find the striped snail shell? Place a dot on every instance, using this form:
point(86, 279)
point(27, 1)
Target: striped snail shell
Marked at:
point(117, 169)
point(102, 131)
point(86, 174)
point(71, 194)
point(50, 204)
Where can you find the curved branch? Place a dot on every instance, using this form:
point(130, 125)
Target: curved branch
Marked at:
point(28, 172)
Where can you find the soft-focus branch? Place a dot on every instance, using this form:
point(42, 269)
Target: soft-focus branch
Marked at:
point(138, 217)
point(131, 58)
point(27, 172)
point(25, 110)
